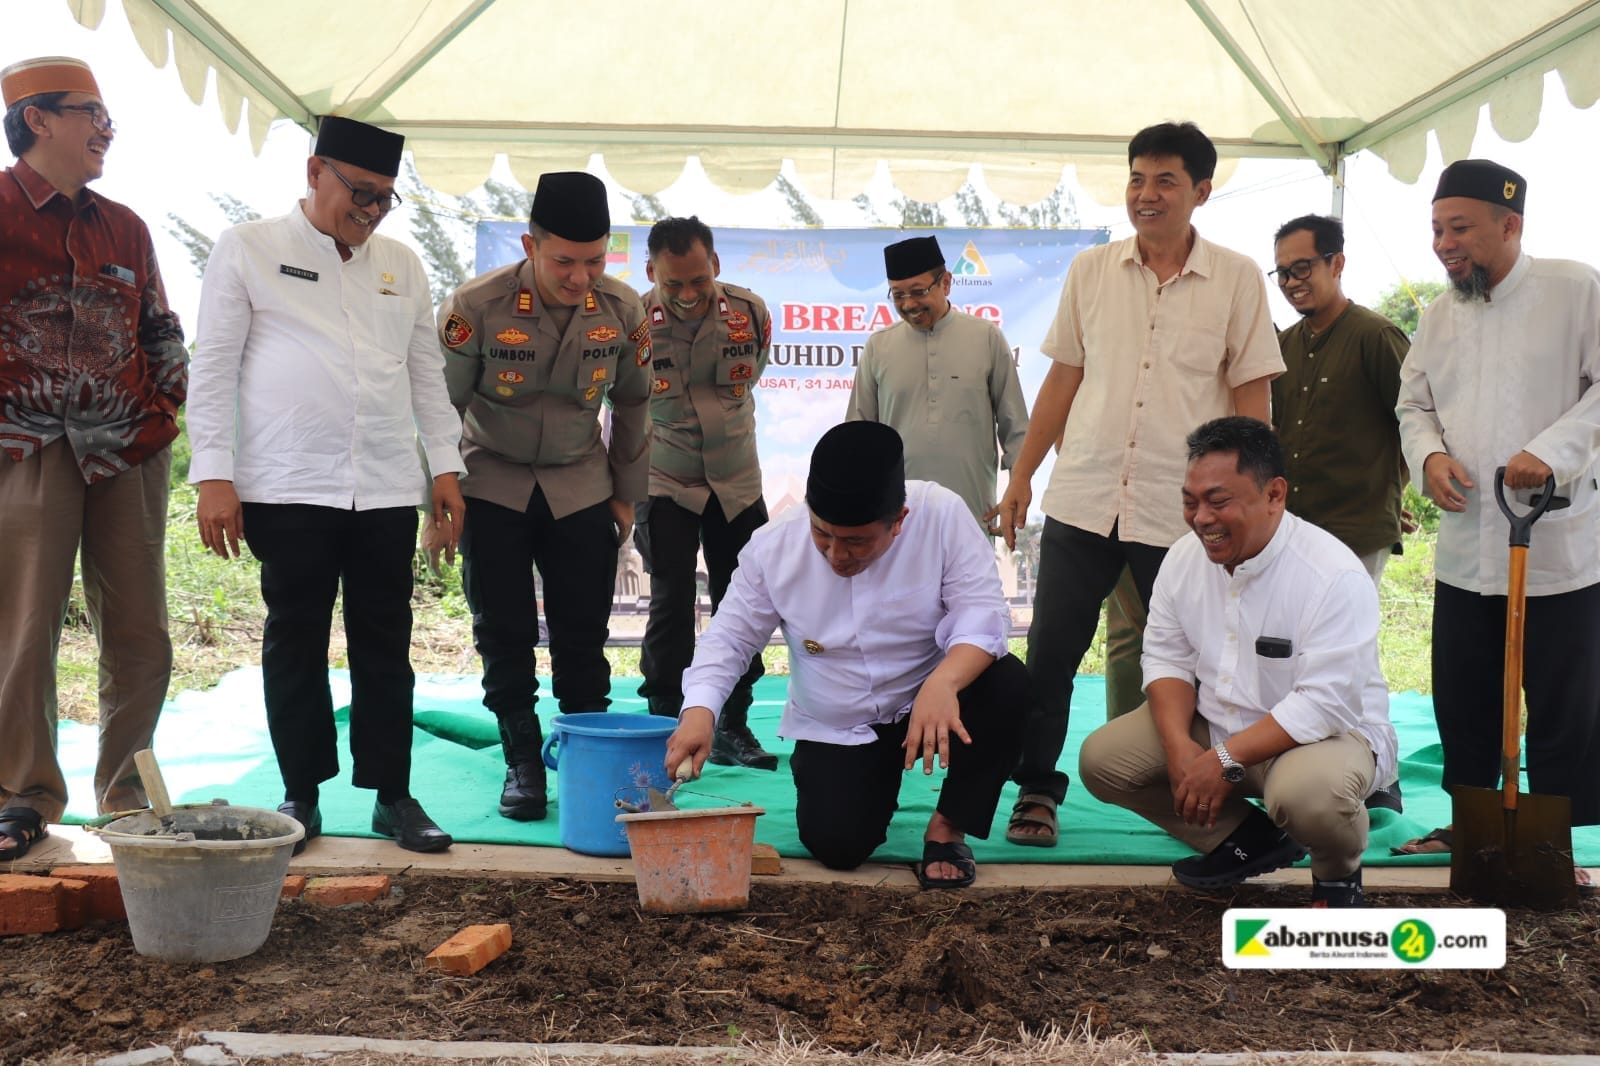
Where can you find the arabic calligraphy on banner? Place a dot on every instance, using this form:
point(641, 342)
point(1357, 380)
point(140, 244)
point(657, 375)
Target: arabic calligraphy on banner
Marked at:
point(826, 291)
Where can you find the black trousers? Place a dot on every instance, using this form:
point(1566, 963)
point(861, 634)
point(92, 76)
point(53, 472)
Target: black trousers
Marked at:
point(577, 560)
point(846, 794)
point(668, 538)
point(1077, 571)
point(307, 554)
point(1560, 681)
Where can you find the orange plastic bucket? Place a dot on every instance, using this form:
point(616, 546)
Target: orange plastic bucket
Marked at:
point(692, 862)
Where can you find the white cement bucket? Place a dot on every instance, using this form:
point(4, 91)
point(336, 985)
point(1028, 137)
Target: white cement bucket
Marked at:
point(205, 888)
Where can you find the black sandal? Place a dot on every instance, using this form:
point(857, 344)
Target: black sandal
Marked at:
point(24, 827)
point(957, 854)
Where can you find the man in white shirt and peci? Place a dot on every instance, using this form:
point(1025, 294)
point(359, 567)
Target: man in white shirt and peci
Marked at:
point(315, 374)
point(890, 603)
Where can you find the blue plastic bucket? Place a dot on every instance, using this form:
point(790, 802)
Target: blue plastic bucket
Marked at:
point(593, 755)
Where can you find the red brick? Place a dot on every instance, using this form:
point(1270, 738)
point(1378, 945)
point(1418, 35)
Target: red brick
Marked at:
point(470, 950)
point(294, 886)
point(337, 891)
point(30, 904)
point(105, 894)
point(72, 905)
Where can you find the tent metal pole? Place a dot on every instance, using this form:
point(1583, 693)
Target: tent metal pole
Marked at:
point(1337, 179)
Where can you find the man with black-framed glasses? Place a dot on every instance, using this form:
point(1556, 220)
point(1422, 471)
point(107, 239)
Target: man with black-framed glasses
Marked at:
point(945, 380)
point(1334, 405)
point(92, 372)
point(316, 374)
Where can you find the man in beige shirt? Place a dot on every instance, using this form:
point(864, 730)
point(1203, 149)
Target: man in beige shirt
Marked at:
point(1176, 332)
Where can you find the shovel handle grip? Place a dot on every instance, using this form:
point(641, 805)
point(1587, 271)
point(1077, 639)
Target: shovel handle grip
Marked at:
point(1522, 525)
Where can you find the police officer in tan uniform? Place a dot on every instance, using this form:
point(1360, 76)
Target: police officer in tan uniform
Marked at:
point(532, 350)
point(710, 342)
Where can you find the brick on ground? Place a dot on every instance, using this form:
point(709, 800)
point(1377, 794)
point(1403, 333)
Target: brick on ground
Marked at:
point(104, 897)
point(294, 886)
point(471, 949)
point(32, 904)
point(338, 891)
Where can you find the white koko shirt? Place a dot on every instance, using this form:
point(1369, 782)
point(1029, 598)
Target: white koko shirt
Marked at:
point(1306, 588)
point(313, 378)
point(1486, 380)
point(860, 647)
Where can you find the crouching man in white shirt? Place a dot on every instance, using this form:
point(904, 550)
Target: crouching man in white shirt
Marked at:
point(1261, 677)
point(890, 603)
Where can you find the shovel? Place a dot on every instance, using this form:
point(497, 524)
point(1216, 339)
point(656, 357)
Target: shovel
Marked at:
point(1510, 848)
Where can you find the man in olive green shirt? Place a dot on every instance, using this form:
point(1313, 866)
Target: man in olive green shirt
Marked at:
point(1334, 406)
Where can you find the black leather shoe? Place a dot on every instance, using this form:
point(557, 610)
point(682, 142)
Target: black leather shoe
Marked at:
point(737, 746)
point(1339, 894)
point(523, 797)
point(308, 816)
point(409, 825)
point(1250, 850)
point(1386, 798)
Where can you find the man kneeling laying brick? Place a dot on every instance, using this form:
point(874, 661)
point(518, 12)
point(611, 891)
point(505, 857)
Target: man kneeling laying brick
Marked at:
point(1261, 679)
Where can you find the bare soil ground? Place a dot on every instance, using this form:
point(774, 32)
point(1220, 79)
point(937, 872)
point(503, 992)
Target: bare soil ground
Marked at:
point(849, 968)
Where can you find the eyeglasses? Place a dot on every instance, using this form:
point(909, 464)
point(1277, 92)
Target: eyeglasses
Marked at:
point(99, 118)
point(386, 201)
point(896, 295)
point(1299, 270)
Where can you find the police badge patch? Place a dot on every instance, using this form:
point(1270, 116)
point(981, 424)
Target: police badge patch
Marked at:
point(457, 331)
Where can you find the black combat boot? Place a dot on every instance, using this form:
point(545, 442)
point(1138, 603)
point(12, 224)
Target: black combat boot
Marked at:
point(734, 745)
point(523, 797)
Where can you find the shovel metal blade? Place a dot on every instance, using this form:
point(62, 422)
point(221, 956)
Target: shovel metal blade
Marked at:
point(1513, 858)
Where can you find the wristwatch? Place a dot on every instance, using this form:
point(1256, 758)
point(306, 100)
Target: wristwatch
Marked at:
point(1232, 770)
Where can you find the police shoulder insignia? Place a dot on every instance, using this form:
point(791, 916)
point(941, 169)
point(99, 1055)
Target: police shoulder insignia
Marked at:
point(524, 302)
point(457, 331)
point(766, 333)
point(658, 317)
point(643, 328)
point(590, 304)
point(812, 647)
point(642, 353)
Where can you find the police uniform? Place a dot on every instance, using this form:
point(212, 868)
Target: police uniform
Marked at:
point(540, 475)
point(705, 480)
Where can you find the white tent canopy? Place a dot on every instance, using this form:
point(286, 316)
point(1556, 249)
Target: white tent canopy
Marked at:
point(932, 87)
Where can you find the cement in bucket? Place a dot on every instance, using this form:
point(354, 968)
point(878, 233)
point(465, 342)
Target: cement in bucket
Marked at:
point(208, 898)
point(692, 862)
point(593, 755)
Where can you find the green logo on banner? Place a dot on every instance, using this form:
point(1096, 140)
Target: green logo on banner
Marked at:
point(1244, 936)
point(1413, 940)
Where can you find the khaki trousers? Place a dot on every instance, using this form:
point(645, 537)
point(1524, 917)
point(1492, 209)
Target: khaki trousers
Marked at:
point(1125, 618)
point(1314, 792)
point(120, 522)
